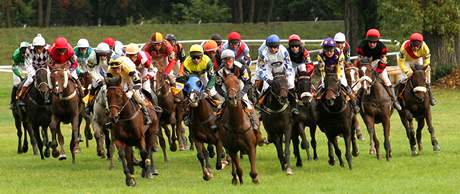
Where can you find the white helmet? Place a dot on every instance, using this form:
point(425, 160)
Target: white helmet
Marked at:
point(102, 48)
point(339, 37)
point(38, 41)
point(227, 53)
point(119, 48)
point(82, 43)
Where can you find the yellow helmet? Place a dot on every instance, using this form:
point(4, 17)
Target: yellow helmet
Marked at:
point(132, 49)
point(115, 61)
point(196, 49)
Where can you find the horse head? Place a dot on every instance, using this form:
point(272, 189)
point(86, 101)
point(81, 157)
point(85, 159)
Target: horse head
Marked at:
point(116, 98)
point(232, 85)
point(418, 81)
point(59, 80)
point(42, 80)
point(332, 88)
point(194, 88)
point(279, 87)
point(304, 88)
point(367, 77)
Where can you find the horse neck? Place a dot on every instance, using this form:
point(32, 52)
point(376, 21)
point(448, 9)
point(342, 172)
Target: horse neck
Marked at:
point(129, 108)
point(378, 92)
point(236, 114)
point(273, 102)
point(36, 95)
point(203, 110)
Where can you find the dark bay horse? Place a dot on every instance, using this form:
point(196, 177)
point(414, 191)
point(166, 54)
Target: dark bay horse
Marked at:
point(128, 130)
point(376, 107)
point(306, 117)
point(236, 131)
point(203, 128)
point(20, 115)
point(277, 119)
point(335, 117)
point(39, 110)
point(66, 107)
point(416, 104)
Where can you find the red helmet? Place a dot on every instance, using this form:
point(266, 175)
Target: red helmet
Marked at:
point(60, 43)
point(234, 36)
point(110, 41)
point(416, 37)
point(294, 39)
point(373, 34)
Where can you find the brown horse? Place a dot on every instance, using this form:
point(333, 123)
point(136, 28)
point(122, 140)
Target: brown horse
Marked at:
point(236, 132)
point(85, 80)
point(334, 118)
point(203, 126)
point(39, 110)
point(277, 119)
point(128, 130)
point(352, 76)
point(66, 106)
point(376, 107)
point(21, 123)
point(181, 109)
point(416, 104)
point(306, 117)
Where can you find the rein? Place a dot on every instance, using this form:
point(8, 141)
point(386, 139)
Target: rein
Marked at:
point(120, 109)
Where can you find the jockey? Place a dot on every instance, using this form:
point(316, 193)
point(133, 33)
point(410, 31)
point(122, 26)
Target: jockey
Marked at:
point(124, 68)
point(372, 49)
point(18, 68)
point(178, 50)
point(163, 55)
point(230, 66)
point(36, 56)
point(300, 57)
point(343, 46)
point(82, 51)
point(97, 67)
point(111, 42)
point(211, 50)
point(216, 37)
point(331, 57)
point(62, 55)
point(415, 52)
point(143, 63)
point(271, 53)
point(240, 48)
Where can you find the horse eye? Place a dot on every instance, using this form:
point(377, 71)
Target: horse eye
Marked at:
point(198, 83)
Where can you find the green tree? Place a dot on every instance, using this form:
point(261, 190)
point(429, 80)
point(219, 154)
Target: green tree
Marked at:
point(206, 11)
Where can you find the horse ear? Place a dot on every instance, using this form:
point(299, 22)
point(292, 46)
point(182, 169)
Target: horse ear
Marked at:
point(224, 74)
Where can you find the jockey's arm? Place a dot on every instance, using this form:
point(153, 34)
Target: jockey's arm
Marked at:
point(425, 54)
point(402, 61)
point(211, 76)
point(172, 62)
point(244, 76)
point(16, 62)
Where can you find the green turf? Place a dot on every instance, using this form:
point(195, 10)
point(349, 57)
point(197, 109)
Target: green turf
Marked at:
point(427, 173)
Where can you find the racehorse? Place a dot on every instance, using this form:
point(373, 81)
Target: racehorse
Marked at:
point(66, 106)
point(85, 80)
point(416, 104)
point(277, 119)
point(101, 125)
point(202, 126)
point(236, 131)
point(352, 76)
point(21, 123)
point(334, 118)
point(39, 110)
point(376, 107)
point(128, 130)
point(306, 117)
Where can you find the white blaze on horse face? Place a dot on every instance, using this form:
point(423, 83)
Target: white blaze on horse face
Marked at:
point(364, 80)
point(193, 99)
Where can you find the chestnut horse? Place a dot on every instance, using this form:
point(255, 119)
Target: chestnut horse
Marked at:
point(277, 119)
point(335, 117)
point(128, 130)
point(203, 128)
point(66, 106)
point(236, 131)
point(416, 104)
point(306, 117)
point(376, 107)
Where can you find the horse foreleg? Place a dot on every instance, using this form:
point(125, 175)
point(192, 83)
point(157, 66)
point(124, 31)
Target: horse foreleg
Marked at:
point(407, 122)
point(233, 156)
point(420, 125)
point(279, 150)
point(19, 133)
point(386, 134)
point(304, 144)
point(354, 145)
point(313, 141)
point(62, 155)
point(239, 170)
point(53, 144)
point(162, 142)
point(252, 160)
point(99, 136)
point(369, 121)
point(200, 154)
point(338, 153)
point(109, 147)
point(44, 133)
point(36, 129)
point(27, 126)
point(74, 140)
point(25, 144)
point(123, 158)
point(434, 141)
point(330, 152)
point(347, 138)
point(287, 151)
point(168, 135)
point(295, 144)
point(220, 154)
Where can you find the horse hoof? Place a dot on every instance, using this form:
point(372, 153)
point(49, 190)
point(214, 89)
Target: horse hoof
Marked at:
point(155, 172)
point(47, 153)
point(55, 153)
point(413, 153)
point(156, 149)
point(62, 157)
point(331, 162)
point(436, 148)
point(206, 178)
point(298, 164)
point(255, 180)
point(235, 181)
point(130, 182)
point(355, 153)
point(289, 171)
point(89, 136)
point(25, 148)
point(173, 148)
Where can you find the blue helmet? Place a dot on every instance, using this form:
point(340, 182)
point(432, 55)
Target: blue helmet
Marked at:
point(328, 44)
point(170, 37)
point(272, 40)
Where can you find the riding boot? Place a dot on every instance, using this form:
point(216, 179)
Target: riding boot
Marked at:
point(352, 99)
point(154, 98)
point(89, 105)
point(391, 92)
point(13, 96)
point(432, 99)
point(147, 119)
point(293, 102)
point(255, 123)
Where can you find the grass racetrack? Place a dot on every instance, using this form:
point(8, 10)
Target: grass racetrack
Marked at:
point(428, 172)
